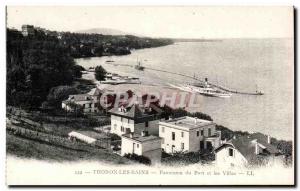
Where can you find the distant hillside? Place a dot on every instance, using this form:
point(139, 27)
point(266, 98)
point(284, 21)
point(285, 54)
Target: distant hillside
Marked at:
point(104, 31)
point(195, 40)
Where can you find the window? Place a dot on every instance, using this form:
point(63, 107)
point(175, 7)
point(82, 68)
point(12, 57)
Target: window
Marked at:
point(182, 134)
point(197, 133)
point(83, 105)
point(202, 132)
point(230, 152)
point(115, 126)
point(162, 141)
point(137, 145)
point(182, 146)
point(147, 124)
point(173, 136)
point(162, 129)
point(90, 105)
point(209, 132)
point(121, 119)
point(122, 128)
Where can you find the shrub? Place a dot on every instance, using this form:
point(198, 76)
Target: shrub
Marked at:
point(181, 112)
point(58, 94)
point(100, 73)
point(77, 71)
point(114, 137)
point(140, 159)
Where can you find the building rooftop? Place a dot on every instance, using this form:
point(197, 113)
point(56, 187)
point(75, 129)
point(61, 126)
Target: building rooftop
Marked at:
point(187, 122)
point(80, 97)
point(140, 138)
point(136, 111)
point(246, 146)
point(99, 92)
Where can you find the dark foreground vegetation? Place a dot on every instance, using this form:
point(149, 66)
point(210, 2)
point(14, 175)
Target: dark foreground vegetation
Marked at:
point(27, 148)
point(41, 61)
point(138, 158)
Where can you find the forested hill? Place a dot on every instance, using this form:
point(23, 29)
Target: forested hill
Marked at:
point(35, 64)
point(45, 59)
point(89, 45)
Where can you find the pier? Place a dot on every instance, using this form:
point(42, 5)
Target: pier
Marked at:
point(195, 78)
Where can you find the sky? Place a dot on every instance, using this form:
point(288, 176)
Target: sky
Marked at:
point(172, 22)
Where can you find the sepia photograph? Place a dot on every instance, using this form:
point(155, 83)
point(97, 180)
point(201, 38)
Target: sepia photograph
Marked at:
point(150, 95)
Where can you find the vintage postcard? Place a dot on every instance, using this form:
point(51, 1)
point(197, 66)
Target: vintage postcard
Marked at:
point(150, 95)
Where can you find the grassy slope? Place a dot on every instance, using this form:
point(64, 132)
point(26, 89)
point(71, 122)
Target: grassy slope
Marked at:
point(27, 148)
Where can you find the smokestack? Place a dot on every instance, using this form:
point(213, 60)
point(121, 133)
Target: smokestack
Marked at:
point(269, 139)
point(206, 82)
point(256, 148)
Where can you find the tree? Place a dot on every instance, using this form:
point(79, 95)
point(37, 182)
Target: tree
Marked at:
point(77, 71)
point(35, 64)
point(100, 73)
point(76, 108)
point(58, 94)
point(200, 116)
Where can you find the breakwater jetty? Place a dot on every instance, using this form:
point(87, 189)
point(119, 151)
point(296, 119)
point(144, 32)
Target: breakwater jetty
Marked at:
point(227, 89)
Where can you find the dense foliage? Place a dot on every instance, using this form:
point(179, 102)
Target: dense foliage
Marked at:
point(77, 71)
point(45, 59)
point(89, 45)
point(100, 73)
point(35, 64)
point(181, 112)
point(57, 95)
point(138, 158)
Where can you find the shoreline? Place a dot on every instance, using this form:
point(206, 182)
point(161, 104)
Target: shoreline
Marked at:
point(148, 88)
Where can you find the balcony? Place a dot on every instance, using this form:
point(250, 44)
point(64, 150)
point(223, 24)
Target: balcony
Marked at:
point(217, 135)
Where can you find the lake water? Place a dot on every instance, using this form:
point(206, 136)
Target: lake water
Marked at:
point(242, 64)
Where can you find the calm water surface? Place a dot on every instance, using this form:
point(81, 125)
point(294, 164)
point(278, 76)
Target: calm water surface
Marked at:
point(266, 64)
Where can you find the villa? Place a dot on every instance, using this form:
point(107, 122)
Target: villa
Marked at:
point(86, 101)
point(143, 145)
point(246, 150)
point(90, 102)
point(135, 118)
point(188, 134)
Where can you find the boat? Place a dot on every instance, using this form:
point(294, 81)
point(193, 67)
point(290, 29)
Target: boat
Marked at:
point(109, 61)
point(212, 92)
point(115, 79)
point(258, 92)
point(203, 89)
point(183, 87)
point(139, 67)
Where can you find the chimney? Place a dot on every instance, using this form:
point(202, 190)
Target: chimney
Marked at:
point(131, 135)
point(195, 120)
point(144, 133)
point(256, 148)
point(269, 139)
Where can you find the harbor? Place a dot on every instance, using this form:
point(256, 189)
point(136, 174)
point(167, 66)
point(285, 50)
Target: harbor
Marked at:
point(240, 111)
point(217, 86)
